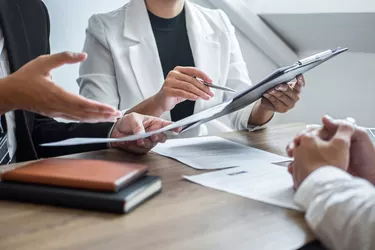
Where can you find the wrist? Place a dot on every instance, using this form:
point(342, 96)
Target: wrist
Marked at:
point(157, 102)
point(260, 115)
point(7, 95)
point(113, 133)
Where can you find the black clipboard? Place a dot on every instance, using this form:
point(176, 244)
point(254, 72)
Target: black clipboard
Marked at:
point(281, 75)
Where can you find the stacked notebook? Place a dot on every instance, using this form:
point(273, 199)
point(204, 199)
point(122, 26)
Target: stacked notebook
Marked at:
point(87, 184)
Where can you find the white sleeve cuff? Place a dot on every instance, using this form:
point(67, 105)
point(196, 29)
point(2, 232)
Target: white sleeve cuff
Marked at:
point(252, 128)
point(123, 112)
point(309, 188)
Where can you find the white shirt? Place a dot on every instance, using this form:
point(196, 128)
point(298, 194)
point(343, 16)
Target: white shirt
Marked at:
point(9, 116)
point(340, 209)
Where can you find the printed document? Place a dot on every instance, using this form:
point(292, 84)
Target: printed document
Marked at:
point(214, 153)
point(258, 180)
point(184, 122)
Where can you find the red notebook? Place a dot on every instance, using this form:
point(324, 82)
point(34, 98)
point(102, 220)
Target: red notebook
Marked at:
point(78, 173)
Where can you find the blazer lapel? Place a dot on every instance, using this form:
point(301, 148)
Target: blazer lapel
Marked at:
point(18, 48)
point(14, 33)
point(144, 55)
point(205, 48)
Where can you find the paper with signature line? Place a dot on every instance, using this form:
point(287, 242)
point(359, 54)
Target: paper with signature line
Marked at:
point(259, 180)
point(213, 153)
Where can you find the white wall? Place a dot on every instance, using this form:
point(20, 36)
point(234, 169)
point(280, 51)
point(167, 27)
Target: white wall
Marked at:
point(344, 86)
point(341, 88)
point(69, 19)
point(312, 6)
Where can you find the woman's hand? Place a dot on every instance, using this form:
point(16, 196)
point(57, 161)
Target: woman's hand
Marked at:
point(181, 85)
point(283, 97)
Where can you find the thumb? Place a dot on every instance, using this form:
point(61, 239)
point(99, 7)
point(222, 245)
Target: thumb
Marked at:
point(329, 129)
point(136, 124)
point(344, 134)
point(51, 62)
point(299, 84)
point(329, 123)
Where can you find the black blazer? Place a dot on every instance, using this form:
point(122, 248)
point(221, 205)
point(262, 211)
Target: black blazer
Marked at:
point(26, 28)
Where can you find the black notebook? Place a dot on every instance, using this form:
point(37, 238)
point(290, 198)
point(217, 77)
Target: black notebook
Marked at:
point(123, 201)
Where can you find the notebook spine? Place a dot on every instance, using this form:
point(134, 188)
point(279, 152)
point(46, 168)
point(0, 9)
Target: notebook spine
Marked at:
point(46, 196)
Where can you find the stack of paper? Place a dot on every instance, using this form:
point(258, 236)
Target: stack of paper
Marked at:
point(259, 180)
point(213, 153)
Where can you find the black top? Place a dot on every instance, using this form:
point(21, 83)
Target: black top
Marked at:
point(174, 50)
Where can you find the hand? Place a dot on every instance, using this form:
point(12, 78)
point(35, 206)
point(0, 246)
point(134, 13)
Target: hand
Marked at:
point(362, 150)
point(137, 124)
point(180, 85)
point(31, 88)
point(311, 152)
point(283, 97)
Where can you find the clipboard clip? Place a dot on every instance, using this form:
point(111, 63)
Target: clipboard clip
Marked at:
point(315, 58)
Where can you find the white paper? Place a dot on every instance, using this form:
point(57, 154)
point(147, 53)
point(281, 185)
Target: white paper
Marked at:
point(213, 153)
point(259, 181)
point(184, 122)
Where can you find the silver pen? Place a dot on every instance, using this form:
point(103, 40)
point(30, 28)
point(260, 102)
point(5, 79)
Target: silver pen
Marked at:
point(215, 86)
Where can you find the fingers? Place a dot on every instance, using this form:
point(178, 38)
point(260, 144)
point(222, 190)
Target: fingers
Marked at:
point(191, 88)
point(182, 84)
point(49, 62)
point(80, 103)
point(84, 110)
point(299, 84)
point(289, 149)
point(83, 117)
point(278, 105)
point(297, 139)
point(290, 169)
point(182, 94)
point(139, 147)
point(159, 138)
point(199, 85)
point(153, 123)
point(329, 123)
point(191, 71)
point(285, 94)
point(188, 87)
point(177, 130)
point(135, 121)
point(77, 114)
point(308, 139)
point(288, 91)
point(343, 135)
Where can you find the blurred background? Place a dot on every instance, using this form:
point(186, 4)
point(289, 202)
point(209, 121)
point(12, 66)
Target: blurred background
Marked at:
point(272, 33)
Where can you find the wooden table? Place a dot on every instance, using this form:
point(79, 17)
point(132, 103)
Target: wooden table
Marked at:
point(183, 216)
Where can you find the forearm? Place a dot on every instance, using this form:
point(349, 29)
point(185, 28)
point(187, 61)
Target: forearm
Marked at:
point(48, 130)
point(149, 107)
point(340, 209)
point(6, 95)
point(259, 116)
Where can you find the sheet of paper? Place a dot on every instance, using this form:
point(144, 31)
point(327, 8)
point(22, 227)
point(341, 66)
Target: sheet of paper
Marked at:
point(258, 180)
point(184, 122)
point(213, 153)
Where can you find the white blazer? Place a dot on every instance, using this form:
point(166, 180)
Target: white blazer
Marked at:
point(123, 67)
